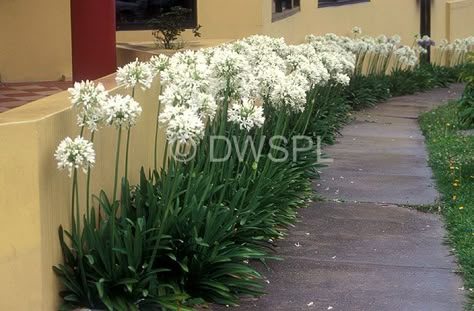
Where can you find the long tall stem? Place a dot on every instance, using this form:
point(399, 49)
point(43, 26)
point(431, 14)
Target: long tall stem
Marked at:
point(78, 236)
point(165, 155)
point(157, 125)
point(88, 185)
point(73, 203)
point(78, 212)
point(117, 158)
point(128, 142)
point(126, 153)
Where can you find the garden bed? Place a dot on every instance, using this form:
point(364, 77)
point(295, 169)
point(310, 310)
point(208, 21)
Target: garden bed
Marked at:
point(451, 156)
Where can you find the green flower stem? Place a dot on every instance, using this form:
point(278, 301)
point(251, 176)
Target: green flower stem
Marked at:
point(73, 200)
point(126, 153)
point(128, 142)
point(78, 236)
point(78, 212)
point(157, 126)
point(117, 157)
point(88, 185)
point(114, 202)
point(165, 155)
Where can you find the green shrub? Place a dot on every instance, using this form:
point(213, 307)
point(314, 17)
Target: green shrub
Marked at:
point(367, 91)
point(466, 104)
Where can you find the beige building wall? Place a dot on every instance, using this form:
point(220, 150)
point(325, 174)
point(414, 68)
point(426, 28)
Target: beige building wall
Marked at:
point(459, 19)
point(35, 196)
point(35, 40)
point(375, 17)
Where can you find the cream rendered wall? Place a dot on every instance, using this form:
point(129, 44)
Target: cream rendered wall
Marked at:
point(35, 40)
point(35, 196)
point(460, 19)
point(375, 17)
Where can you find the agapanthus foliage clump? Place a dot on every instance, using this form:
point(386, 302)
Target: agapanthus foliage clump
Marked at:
point(186, 232)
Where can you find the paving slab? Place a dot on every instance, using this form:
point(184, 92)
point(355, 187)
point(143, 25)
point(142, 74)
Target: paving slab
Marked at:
point(374, 256)
point(382, 188)
point(361, 257)
point(381, 156)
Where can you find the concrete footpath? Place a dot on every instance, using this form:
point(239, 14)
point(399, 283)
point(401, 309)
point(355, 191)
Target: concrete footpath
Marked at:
point(363, 251)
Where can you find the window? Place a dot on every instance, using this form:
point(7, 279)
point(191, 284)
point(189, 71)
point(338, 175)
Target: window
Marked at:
point(325, 3)
point(284, 8)
point(136, 14)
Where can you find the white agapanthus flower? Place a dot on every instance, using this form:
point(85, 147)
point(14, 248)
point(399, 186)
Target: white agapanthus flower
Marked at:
point(444, 45)
point(204, 104)
point(228, 69)
point(246, 114)
point(406, 56)
point(89, 100)
point(135, 73)
point(121, 111)
point(73, 154)
point(356, 30)
point(381, 39)
point(304, 60)
point(183, 124)
point(159, 63)
point(267, 78)
point(188, 73)
point(86, 93)
point(395, 39)
point(290, 93)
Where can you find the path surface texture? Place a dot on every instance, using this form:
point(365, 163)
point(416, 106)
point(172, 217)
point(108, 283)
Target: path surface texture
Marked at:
point(366, 252)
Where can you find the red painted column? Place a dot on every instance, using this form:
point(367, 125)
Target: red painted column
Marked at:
point(93, 38)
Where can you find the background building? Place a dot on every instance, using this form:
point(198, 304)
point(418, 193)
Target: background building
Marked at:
point(40, 38)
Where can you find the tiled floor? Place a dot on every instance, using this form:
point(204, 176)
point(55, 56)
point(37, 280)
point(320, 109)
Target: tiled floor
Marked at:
point(13, 95)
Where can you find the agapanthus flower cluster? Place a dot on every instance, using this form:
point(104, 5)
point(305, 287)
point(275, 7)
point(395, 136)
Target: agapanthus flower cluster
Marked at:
point(290, 93)
point(454, 52)
point(183, 125)
point(425, 42)
point(158, 64)
point(356, 30)
point(405, 56)
point(246, 114)
point(372, 54)
point(74, 154)
point(121, 111)
point(135, 73)
point(89, 99)
point(230, 72)
point(256, 69)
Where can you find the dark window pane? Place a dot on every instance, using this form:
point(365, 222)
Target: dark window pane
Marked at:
point(323, 3)
point(283, 5)
point(136, 14)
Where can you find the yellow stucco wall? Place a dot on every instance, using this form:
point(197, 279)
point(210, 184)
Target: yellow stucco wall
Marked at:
point(35, 40)
point(35, 196)
point(39, 48)
point(460, 19)
point(374, 17)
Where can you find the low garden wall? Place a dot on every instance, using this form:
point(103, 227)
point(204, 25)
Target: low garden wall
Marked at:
point(35, 197)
